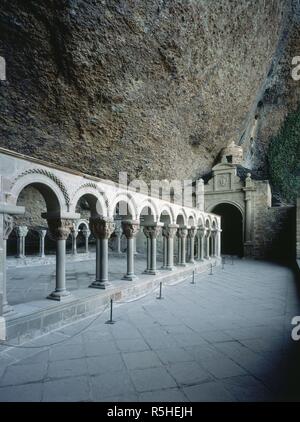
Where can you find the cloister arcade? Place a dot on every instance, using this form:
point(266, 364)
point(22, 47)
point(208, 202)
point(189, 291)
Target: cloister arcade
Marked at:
point(113, 210)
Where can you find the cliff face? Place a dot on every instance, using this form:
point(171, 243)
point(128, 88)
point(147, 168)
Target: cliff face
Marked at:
point(155, 87)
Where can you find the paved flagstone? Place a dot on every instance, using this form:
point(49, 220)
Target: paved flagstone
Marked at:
point(226, 338)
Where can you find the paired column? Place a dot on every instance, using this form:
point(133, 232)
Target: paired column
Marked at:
point(207, 240)
point(8, 225)
point(86, 233)
point(165, 250)
point(21, 232)
point(118, 233)
point(151, 232)
point(213, 243)
point(218, 242)
point(102, 228)
point(42, 234)
point(191, 237)
point(182, 235)
point(74, 234)
point(130, 229)
point(59, 231)
point(201, 244)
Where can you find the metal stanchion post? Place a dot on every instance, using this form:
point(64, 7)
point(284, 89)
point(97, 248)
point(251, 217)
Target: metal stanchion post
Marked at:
point(211, 269)
point(111, 321)
point(160, 291)
point(193, 277)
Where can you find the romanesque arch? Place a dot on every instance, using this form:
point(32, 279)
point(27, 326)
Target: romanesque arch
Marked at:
point(232, 228)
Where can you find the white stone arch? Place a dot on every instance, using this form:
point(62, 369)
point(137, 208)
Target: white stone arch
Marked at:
point(226, 201)
point(169, 210)
point(207, 223)
point(125, 197)
point(100, 198)
point(55, 198)
point(151, 204)
point(201, 221)
point(182, 212)
point(80, 222)
point(192, 215)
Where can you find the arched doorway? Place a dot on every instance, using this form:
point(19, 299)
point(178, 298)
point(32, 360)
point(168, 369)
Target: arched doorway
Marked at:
point(232, 229)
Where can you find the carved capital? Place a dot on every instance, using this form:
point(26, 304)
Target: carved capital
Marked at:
point(192, 232)
point(151, 232)
point(182, 232)
point(169, 232)
point(130, 228)
point(21, 231)
point(8, 226)
point(59, 228)
point(42, 233)
point(86, 232)
point(201, 232)
point(102, 228)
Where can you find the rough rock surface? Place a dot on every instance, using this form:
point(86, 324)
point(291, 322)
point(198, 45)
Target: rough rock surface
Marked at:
point(155, 87)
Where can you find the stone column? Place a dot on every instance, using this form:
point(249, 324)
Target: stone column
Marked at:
point(59, 231)
point(42, 234)
point(151, 232)
point(165, 250)
point(102, 228)
point(201, 240)
point(218, 243)
point(130, 229)
point(182, 235)
point(21, 232)
point(169, 231)
point(191, 237)
point(74, 234)
point(86, 233)
point(8, 225)
point(207, 237)
point(178, 248)
point(134, 246)
point(213, 243)
point(118, 232)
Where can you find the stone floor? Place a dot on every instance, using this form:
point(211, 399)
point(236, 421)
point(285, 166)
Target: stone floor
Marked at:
point(226, 338)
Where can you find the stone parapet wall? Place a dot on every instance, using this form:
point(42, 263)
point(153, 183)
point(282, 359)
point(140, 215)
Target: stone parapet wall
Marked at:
point(298, 230)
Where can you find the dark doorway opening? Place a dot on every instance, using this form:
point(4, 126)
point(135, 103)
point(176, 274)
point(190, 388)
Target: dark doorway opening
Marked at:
point(232, 229)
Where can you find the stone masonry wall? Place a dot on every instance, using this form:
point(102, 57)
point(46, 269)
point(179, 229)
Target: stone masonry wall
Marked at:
point(274, 231)
point(298, 230)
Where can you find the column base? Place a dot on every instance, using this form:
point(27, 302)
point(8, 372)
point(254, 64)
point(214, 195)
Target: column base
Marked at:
point(7, 309)
point(171, 268)
point(2, 329)
point(191, 262)
point(99, 284)
point(129, 277)
point(151, 272)
point(60, 296)
point(181, 265)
